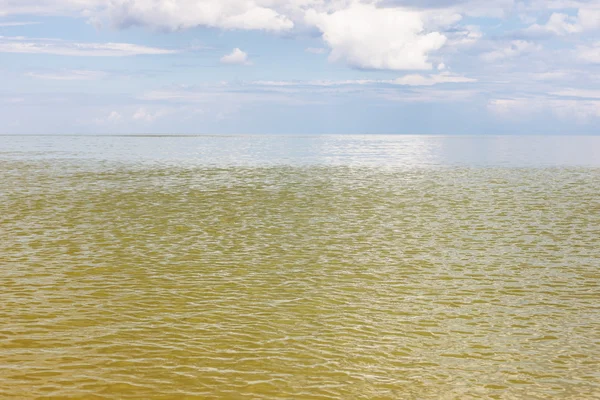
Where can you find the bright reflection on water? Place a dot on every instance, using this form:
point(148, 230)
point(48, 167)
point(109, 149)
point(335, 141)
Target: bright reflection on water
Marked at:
point(374, 150)
point(300, 268)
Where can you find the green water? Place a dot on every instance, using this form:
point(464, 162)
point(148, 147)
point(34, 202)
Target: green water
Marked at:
point(308, 282)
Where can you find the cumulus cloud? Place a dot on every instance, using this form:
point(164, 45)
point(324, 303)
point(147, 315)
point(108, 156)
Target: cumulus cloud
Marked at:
point(67, 48)
point(368, 37)
point(164, 14)
point(560, 24)
point(181, 14)
point(237, 56)
point(224, 13)
point(589, 18)
point(369, 34)
point(589, 54)
point(114, 117)
point(144, 115)
point(128, 115)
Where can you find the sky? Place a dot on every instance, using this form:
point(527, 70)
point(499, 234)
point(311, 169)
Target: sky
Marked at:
point(300, 66)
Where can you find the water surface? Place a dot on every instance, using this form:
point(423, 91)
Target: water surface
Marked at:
point(299, 268)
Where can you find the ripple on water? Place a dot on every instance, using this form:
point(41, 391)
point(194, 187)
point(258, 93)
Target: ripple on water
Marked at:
point(298, 282)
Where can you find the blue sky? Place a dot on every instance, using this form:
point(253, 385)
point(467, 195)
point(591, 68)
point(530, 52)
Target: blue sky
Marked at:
point(300, 66)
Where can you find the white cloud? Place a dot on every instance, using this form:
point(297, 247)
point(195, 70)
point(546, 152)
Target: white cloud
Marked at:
point(514, 49)
point(181, 14)
point(368, 37)
point(587, 19)
point(131, 116)
point(68, 75)
point(558, 24)
point(369, 34)
point(589, 54)
point(185, 13)
point(164, 14)
point(67, 48)
point(146, 116)
point(114, 117)
point(237, 56)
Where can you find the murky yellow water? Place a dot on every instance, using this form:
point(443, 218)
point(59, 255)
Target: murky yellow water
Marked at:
point(307, 282)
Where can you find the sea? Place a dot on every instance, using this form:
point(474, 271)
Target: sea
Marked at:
point(300, 267)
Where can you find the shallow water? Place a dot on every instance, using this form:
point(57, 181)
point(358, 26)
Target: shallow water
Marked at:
point(145, 276)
